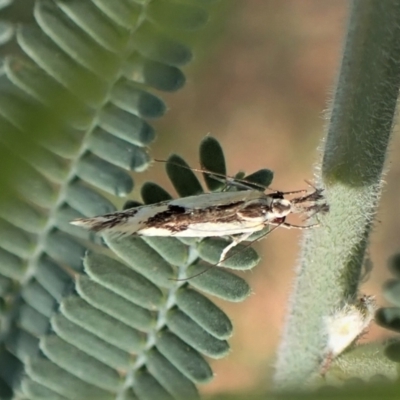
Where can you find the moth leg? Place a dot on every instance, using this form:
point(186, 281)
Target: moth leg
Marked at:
point(326, 363)
point(314, 196)
point(289, 226)
point(294, 192)
point(281, 222)
point(235, 241)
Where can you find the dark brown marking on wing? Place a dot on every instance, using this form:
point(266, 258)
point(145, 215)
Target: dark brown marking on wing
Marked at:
point(178, 219)
point(254, 210)
point(114, 219)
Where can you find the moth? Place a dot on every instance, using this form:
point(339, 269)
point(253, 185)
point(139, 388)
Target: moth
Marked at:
point(237, 214)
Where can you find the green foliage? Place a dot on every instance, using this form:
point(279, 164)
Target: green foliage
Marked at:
point(85, 317)
point(75, 106)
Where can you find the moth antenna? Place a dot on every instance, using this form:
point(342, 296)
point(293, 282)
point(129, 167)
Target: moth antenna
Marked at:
point(193, 276)
point(249, 184)
point(314, 196)
point(310, 184)
point(293, 192)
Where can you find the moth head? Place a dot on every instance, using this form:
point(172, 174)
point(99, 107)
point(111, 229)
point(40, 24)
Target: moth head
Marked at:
point(281, 207)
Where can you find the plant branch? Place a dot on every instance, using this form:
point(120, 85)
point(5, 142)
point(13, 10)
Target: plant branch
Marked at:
point(355, 149)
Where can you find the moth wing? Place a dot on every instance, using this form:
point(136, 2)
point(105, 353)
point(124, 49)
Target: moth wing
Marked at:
point(207, 200)
point(136, 220)
point(126, 222)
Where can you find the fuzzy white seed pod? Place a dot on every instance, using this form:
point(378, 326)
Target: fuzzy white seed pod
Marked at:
point(346, 325)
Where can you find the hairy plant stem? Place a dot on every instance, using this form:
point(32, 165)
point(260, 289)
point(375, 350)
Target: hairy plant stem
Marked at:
point(355, 149)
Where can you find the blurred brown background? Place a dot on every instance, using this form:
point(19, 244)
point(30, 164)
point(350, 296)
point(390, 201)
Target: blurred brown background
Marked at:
point(260, 85)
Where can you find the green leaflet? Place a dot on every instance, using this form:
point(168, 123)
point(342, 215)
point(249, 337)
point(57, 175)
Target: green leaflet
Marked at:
point(31, 185)
point(151, 192)
point(5, 285)
point(392, 291)
point(122, 13)
point(22, 344)
point(102, 325)
point(70, 74)
point(143, 259)
point(177, 14)
point(152, 43)
point(112, 149)
point(115, 305)
point(123, 281)
point(182, 177)
point(37, 296)
point(262, 177)
point(31, 321)
point(169, 377)
point(184, 358)
point(112, 179)
point(130, 97)
point(55, 280)
point(52, 376)
point(11, 266)
point(213, 160)
point(203, 311)
point(64, 249)
point(15, 240)
point(87, 201)
point(126, 126)
point(39, 392)
point(218, 282)
point(56, 24)
point(22, 215)
point(154, 74)
point(91, 344)
point(79, 363)
point(194, 335)
point(148, 388)
point(44, 89)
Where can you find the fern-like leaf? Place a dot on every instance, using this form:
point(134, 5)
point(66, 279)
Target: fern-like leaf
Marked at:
point(75, 101)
